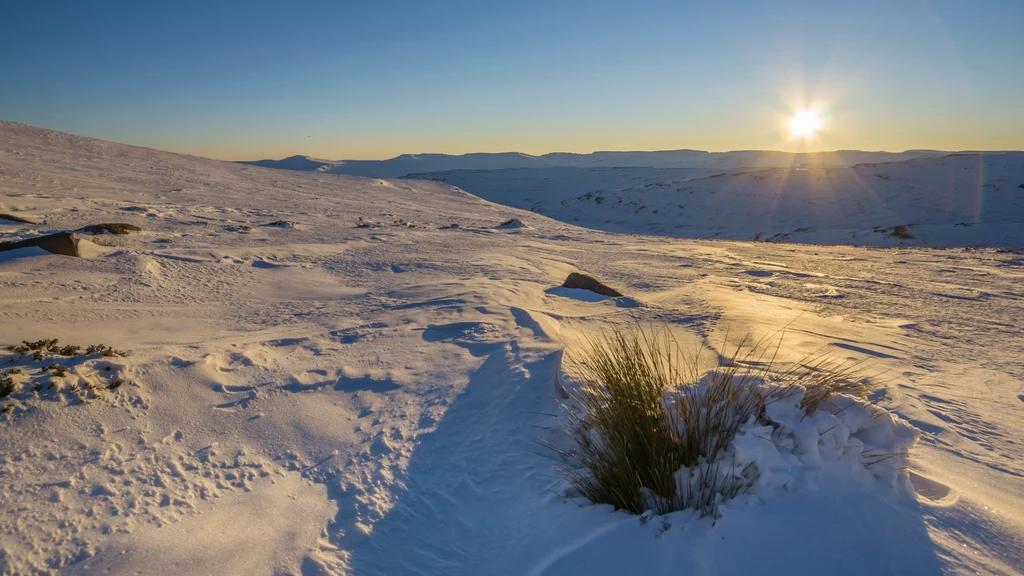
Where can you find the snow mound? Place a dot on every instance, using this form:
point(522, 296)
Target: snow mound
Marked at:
point(845, 436)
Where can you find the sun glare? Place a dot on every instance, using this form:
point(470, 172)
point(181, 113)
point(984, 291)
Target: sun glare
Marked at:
point(805, 124)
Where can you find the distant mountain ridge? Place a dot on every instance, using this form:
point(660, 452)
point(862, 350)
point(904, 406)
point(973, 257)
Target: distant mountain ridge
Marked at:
point(408, 164)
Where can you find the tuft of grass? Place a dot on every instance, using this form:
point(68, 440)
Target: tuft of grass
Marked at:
point(69, 350)
point(7, 386)
point(649, 428)
point(820, 377)
point(103, 349)
point(115, 384)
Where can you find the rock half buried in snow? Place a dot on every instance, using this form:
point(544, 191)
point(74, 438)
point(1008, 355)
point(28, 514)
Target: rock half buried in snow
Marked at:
point(110, 228)
point(582, 281)
point(14, 218)
point(511, 223)
point(59, 243)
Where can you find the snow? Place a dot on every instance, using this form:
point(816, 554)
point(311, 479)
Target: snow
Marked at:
point(971, 199)
point(331, 398)
point(407, 164)
point(913, 198)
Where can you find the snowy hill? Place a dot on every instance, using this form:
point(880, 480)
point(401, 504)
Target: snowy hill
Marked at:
point(407, 164)
point(913, 198)
point(302, 163)
point(968, 199)
point(321, 375)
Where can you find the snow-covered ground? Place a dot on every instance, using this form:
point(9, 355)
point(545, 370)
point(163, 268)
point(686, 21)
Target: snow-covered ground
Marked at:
point(969, 199)
point(323, 377)
point(737, 160)
point(914, 198)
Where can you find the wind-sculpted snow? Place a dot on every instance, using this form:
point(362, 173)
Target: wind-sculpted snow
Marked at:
point(324, 376)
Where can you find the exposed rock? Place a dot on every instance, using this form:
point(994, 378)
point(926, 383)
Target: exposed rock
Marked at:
point(584, 282)
point(512, 223)
point(14, 218)
point(110, 228)
point(59, 243)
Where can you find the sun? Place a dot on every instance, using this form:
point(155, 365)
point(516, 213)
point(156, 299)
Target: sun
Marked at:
point(805, 124)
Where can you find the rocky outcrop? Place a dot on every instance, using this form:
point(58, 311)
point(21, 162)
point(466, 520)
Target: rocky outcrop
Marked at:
point(119, 228)
point(584, 282)
point(60, 243)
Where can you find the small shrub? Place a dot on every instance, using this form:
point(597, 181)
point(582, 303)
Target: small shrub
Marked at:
point(115, 384)
point(649, 429)
point(69, 350)
point(103, 349)
point(7, 386)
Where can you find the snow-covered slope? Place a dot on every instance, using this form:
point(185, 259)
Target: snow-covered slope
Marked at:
point(323, 377)
point(969, 199)
point(914, 198)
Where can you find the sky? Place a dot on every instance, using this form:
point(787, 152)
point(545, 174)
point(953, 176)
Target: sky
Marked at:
point(379, 78)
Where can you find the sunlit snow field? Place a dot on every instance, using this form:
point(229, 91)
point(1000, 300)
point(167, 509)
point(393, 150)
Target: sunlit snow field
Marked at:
point(319, 379)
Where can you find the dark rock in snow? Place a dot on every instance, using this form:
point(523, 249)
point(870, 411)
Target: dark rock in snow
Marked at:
point(110, 228)
point(59, 243)
point(584, 282)
point(512, 223)
point(14, 218)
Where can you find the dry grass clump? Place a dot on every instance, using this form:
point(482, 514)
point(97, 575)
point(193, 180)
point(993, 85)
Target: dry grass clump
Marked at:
point(649, 426)
point(40, 349)
point(7, 385)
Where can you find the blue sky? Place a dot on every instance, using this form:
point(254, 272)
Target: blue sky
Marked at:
point(241, 80)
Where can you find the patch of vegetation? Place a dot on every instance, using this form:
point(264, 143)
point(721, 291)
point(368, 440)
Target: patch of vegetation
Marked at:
point(40, 349)
point(26, 346)
point(7, 385)
point(901, 231)
point(69, 350)
point(104, 350)
point(71, 372)
point(649, 428)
